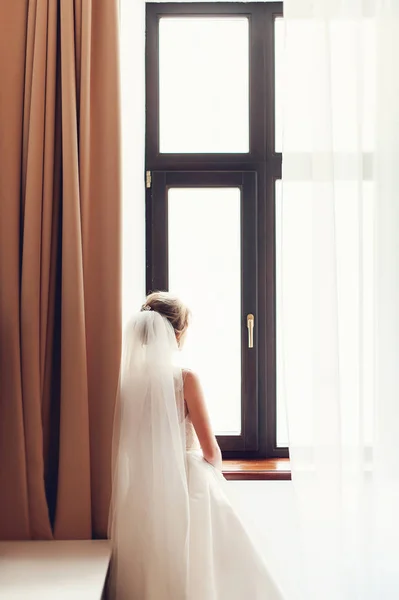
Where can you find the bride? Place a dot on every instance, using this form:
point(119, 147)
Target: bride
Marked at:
point(174, 533)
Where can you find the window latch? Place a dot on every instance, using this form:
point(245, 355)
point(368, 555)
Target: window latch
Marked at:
point(250, 326)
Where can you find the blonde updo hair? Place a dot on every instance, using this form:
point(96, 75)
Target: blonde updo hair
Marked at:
point(171, 308)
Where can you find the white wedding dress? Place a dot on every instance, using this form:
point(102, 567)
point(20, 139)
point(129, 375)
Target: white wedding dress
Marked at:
point(175, 534)
point(224, 563)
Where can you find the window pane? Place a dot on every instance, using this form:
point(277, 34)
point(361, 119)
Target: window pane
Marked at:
point(205, 271)
point(281, 417)
point(204, 85)
point(278, 75)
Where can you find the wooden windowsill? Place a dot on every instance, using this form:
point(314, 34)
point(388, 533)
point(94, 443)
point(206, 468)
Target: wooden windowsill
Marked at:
point(275, 469)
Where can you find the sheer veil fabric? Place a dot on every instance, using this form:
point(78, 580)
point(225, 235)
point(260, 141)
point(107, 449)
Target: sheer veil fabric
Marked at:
point(149, 518)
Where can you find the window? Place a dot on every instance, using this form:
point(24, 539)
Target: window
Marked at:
point(212, 165)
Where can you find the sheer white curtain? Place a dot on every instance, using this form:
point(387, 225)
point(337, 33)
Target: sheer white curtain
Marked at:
point(340, 291)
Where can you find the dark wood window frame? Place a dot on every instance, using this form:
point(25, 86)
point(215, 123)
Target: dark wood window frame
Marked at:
point(263, 161)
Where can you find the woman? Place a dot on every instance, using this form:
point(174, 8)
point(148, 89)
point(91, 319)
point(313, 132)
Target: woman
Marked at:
point(175, 535)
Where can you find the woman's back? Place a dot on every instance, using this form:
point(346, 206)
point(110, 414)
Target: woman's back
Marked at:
point(192, 442)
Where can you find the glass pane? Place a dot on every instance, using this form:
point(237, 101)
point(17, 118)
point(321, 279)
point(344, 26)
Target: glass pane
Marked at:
point(204, 85)
point(278, 77)
point(205, 271)
point(296, 216)
point(281, 416)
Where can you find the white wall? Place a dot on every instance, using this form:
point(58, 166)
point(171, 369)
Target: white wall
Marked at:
point(132, 72)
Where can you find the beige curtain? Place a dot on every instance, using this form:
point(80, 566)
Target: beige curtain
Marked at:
point(59, 265)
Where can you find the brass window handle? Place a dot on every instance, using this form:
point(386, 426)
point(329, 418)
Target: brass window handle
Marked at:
point(250, 326)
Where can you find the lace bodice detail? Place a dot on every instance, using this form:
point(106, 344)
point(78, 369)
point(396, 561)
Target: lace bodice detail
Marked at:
point(192, 442)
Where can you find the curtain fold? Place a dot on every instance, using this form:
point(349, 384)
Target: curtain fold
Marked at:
point(60, 204)
point(37, 205)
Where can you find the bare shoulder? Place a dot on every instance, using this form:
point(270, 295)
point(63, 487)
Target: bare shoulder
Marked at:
point(191, 382)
